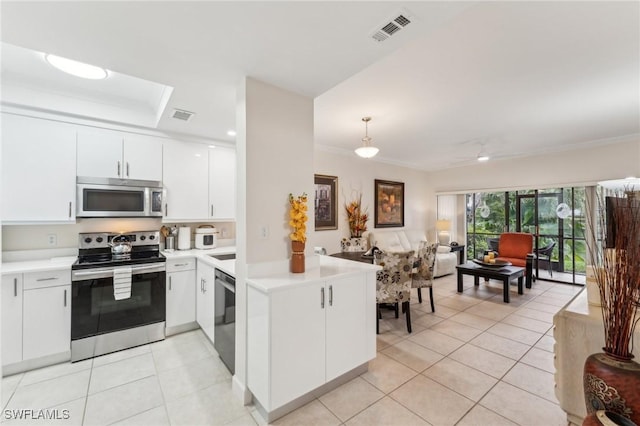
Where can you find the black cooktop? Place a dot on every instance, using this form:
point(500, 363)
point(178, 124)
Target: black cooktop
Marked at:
point(95, 249)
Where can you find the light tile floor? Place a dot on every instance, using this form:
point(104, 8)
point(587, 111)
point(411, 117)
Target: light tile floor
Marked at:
point(475, 361)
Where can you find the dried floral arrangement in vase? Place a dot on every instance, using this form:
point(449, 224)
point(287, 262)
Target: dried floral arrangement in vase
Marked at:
point(612, 378)
point(357, 218)
point(298, 222)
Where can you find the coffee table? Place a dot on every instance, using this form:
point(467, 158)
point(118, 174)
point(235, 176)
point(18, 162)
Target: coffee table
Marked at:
point(506, 274)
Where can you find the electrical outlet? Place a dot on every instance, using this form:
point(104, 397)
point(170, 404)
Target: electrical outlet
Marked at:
point(52, 239)
point(264, 232)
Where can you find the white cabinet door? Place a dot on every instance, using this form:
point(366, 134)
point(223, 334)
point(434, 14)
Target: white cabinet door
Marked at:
point(297, 342)
point(142, 157)
point(346, 321)
point(100, 152)
point(181, 298)
point(205, 299)
point(185, 178)
point(38, 170)
point(11, 318)
point(47, 321)
point(222, 183)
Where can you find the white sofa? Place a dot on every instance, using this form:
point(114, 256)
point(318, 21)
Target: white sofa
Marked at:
point(396, 240)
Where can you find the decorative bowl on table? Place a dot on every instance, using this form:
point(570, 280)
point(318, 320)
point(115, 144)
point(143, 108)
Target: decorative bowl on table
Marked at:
point(496, 263)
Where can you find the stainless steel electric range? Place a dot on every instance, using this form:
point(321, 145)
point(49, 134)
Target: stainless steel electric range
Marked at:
point(118, 293)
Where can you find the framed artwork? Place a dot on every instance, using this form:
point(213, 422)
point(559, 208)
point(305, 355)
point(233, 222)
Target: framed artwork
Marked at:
point(389, 201)
point(326, 206)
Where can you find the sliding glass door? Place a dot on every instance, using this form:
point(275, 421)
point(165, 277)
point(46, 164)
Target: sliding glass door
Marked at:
point(554, 216)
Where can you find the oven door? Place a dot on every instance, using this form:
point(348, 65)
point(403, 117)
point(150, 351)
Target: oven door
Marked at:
point(95, 310)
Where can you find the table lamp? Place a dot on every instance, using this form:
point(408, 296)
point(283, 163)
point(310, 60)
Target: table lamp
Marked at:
point(443, 227)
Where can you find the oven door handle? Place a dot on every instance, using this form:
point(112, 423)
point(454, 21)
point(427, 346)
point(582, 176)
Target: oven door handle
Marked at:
point(105, 273)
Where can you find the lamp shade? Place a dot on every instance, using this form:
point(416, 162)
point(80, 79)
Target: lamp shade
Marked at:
point(443, 225)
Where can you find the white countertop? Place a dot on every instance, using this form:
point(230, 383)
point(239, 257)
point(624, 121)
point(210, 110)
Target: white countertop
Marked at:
point(65, 262)
point(327, 267)
point(53, 264)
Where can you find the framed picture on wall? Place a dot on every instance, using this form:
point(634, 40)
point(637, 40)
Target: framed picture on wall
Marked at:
point(389, 202)
point(326, 206)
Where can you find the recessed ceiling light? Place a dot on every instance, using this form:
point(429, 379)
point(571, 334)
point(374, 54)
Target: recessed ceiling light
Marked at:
point(483, 158)
point(212, 146)
point(231, 133)
point(79, 69)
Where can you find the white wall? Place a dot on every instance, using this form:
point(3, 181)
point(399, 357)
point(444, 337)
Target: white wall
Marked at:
point(584, 166)
point(275, 157)
point(35, 237)
point(358, 174)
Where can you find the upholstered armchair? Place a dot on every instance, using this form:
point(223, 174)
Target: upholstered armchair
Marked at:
point(393, 283)
point(423, 277)
point(517, 248)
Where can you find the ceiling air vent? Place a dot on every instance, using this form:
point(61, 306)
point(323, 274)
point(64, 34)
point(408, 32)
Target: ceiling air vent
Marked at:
point(181, 114)
point(390, 28)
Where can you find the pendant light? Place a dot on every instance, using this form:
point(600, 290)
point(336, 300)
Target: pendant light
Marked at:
point(366, 150)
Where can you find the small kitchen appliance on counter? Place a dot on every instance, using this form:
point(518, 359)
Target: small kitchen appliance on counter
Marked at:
point(184, 238)
point(118, 293)
point(206, 237)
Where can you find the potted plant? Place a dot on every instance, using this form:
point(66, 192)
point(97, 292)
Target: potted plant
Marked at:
point(612, 378)
point(357, 218)
point(298, 223)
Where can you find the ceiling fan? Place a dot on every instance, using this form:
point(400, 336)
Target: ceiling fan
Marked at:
point(476, 151)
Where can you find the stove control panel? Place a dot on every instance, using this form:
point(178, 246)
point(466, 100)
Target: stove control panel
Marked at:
point(93, 240)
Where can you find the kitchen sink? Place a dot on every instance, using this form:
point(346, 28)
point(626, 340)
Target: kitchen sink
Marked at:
point(229, 256)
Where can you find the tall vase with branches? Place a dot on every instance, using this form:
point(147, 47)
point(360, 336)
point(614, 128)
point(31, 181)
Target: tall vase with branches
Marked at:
point(357, 218)
point(612, 378)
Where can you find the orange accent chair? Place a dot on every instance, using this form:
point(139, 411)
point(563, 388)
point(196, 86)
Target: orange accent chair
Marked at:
point(517, 248)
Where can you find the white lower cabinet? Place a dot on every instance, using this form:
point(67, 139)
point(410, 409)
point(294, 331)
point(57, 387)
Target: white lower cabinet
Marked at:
point(36, 315)
point(181, 292)
point(205, 298)
point(46, 321)
point(11, 318)
point(306, 335)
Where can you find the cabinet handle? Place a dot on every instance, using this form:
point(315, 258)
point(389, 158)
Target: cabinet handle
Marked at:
point(330, 295)
point(211, 209)
point(127, 169)
point(180, 264)
point(47, 279)
point(118, 168)
point(15, 287)
point(169, 282)
point(322, 298)
point(69, 209)
point(166, 209)
point(204, 285)
point(65, 298)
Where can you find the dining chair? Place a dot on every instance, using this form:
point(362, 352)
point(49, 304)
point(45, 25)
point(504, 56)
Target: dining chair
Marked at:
point(423, 277)
point(393, 283)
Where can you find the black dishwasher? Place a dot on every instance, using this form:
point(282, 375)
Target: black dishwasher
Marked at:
point(225, 318)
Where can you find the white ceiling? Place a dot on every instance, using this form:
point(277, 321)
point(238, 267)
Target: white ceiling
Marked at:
point(512, 78)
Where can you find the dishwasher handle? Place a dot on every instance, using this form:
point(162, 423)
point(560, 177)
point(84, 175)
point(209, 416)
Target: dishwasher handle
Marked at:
point(227, 285)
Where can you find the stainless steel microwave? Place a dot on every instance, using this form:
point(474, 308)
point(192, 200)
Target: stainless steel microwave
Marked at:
point(106, 197)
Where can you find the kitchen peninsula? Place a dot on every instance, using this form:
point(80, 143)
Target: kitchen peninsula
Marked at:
point(308, 333)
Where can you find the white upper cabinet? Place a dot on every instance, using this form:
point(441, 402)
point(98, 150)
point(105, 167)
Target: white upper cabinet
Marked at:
point(222, 183)
point(112, 154)
point(200, 182)
point(142, 157)
point(185, 180)
point(38, 170)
